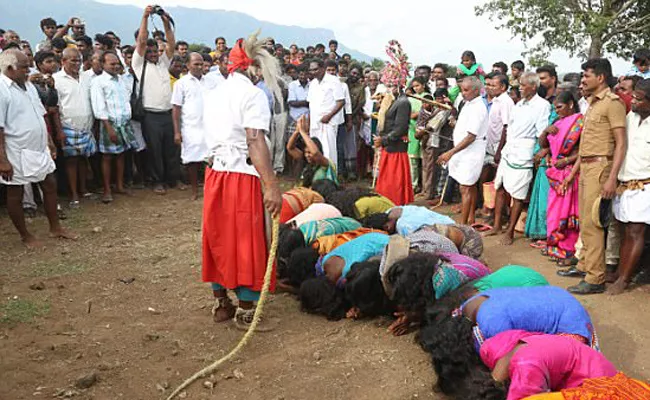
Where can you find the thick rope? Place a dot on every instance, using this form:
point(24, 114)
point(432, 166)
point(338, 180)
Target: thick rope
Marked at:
point(256, 318)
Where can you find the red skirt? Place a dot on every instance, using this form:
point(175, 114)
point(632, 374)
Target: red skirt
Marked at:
point(234, 240)
point(394, 180)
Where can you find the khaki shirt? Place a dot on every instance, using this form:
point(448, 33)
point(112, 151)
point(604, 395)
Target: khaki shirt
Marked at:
point(606, 113)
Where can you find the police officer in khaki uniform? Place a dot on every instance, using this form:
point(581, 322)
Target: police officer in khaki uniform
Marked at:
point(602, 150)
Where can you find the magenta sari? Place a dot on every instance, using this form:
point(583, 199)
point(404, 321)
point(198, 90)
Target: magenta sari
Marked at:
point(562, 212)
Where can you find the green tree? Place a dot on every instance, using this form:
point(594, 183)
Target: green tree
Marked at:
point(197, 47)
point(587, 28)
point(377, 64)
point(535, 62)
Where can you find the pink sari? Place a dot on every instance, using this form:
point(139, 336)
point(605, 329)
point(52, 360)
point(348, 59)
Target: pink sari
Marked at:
point(562, 225)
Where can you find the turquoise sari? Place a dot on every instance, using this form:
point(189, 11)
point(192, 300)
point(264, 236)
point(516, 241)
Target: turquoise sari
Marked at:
point(536, 219)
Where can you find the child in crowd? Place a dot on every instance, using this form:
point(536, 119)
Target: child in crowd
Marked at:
point(641, 64)
point(518, 67)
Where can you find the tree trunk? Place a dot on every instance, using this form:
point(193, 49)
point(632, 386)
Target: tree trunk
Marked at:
point(596, 47)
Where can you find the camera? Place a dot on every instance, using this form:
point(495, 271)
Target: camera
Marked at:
point(158, 10)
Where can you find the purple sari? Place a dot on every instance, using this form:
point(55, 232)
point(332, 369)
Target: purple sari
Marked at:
point(562, 213)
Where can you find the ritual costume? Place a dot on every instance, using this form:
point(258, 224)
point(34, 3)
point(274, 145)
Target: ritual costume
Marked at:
point(394, 180)
point(234, 239)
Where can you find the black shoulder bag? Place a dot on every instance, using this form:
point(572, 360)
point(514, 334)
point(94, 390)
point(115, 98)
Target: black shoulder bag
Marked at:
point(137, 107)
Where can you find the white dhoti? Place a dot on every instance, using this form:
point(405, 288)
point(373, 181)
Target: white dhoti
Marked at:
point(29, 166)
point(515, 181)
point(326, 134)
point(633, 206)
point(193, 146)
point(466, 166)
point(515, 172)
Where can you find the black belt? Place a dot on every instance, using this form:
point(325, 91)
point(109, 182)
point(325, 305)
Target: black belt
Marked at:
point(159, 112)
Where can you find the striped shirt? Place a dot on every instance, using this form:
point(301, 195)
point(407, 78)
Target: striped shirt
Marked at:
point(110, 99)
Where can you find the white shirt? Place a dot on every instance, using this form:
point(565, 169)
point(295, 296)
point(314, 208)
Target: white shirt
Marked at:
point(74, 101)
point(636, 165)
point(188, 94)
point(297, 92)
point(322, 98)
point(157, 90)
point(232, 107)
point(347, 107)
point(528, 120)
point(498, 117)
point(21, 118)
point(583, 103)
point(213, 79)
point(465, 166)
point(90, 73)
point(472, 119)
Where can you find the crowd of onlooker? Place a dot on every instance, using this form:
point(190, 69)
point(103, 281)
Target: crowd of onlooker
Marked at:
point(120, 117)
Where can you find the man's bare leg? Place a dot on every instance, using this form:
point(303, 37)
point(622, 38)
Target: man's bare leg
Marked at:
point(106, 175)
point(631, 251)
point(472, 205)
point(72, 168)
point(50, 202)
point(515, 212)
point(82, 175)
point(119, 172)
point(466, 193)
point(17, 215)
point(193, 176)
point(499, 203)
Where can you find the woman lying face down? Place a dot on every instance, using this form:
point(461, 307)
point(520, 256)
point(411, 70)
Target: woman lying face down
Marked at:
point(361, 296)
point(423, 278)
point(453, 341)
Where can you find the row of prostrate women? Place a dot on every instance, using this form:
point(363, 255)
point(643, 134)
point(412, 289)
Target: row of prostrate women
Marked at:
point(502, 334)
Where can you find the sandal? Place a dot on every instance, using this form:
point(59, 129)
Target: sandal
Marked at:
point(244, 319)
point(481, 227)
point(538, 244)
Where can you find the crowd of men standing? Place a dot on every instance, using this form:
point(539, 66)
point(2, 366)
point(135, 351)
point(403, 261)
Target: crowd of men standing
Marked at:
point(132, 115)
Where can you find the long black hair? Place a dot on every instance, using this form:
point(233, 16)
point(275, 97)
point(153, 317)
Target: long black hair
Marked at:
point(310, 169)
point(290, 239)
point(375, 221)
point(411, 279)
point(450, 342)
point(344, 200)
point(363, 289)
point(320, 296)
point(301, 265)
point(324, 187)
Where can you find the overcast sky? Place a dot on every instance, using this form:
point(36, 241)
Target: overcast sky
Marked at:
point(433, 31)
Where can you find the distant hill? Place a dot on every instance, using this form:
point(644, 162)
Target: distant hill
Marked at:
point(193, 25)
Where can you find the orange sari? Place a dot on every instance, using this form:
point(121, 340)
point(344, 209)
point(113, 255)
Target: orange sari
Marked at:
point(618, 387)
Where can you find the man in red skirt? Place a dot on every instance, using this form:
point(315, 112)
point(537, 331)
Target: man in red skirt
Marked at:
point(240, 182)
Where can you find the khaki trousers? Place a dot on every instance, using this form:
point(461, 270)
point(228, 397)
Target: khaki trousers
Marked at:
point(592, 177)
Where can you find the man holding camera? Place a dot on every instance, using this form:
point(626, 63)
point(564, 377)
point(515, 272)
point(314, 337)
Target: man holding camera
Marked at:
point(157, 126)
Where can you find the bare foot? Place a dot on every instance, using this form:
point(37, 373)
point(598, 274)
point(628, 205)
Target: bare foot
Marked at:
point(31, 242)
point(63, 234)
point(618, 287)
point(506, 240)
point(491, 232)
point(611, 277)
point(195, 196)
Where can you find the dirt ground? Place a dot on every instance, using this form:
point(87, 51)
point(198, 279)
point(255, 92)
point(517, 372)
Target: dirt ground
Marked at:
point(126, 303)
